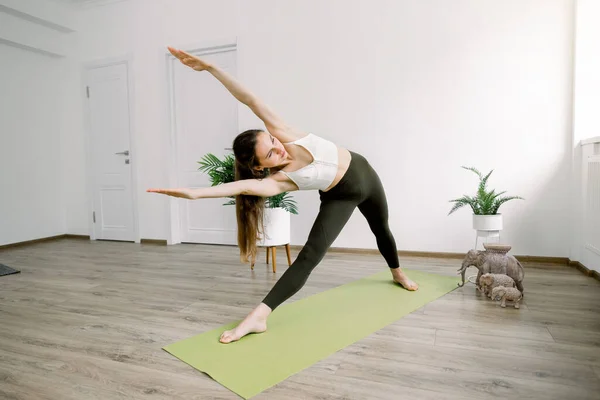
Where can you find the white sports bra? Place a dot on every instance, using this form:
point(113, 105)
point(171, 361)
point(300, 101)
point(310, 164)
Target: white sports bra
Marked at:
point(322, 171)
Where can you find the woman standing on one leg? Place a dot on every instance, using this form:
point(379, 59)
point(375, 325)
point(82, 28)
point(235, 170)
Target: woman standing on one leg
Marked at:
point(283, 160)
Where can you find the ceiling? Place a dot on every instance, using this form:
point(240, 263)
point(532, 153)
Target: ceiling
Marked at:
point(73, 1)
point(70, 1)
point(83, 2)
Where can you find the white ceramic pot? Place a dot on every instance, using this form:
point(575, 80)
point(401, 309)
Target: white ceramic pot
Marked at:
point(277, 227)
point(487, 222)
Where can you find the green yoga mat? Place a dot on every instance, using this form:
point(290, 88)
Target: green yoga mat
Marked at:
point(306, 331)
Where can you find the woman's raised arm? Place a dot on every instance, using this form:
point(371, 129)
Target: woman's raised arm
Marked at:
point(274, 124)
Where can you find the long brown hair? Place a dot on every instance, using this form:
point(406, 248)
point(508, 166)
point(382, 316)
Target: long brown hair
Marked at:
point(249, 209)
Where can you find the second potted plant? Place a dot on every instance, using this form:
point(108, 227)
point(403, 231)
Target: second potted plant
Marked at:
point(485, 205)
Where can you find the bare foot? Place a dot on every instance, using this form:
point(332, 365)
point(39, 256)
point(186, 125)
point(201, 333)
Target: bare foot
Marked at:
point(255, 322)
point(402, 279)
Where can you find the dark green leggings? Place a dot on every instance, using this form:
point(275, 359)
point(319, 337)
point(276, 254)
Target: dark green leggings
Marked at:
point(359, 187)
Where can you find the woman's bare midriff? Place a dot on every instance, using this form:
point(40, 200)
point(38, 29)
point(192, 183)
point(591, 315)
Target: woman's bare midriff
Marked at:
point(344, 158)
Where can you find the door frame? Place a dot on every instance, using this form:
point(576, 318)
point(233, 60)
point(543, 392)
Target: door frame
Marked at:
point(202, 48)
point(126, 59)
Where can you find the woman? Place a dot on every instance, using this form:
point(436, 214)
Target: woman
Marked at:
point(282, 160)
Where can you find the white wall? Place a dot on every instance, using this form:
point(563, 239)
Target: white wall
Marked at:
point(586, 121)
point(31, 201)
point(33, 76)
point(587, 65)
point(420, 88)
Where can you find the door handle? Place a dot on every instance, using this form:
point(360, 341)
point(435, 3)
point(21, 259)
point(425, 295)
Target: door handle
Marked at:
point(126, 152)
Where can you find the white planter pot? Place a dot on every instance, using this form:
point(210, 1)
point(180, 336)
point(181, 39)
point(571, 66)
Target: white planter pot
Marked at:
point(487, 222)
point(277, 227)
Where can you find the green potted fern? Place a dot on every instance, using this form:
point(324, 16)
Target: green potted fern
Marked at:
point(222, 171)
point(277, 208)
point(485, 204)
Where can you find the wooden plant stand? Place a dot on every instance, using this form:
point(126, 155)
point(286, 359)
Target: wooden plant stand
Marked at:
point(274, 250)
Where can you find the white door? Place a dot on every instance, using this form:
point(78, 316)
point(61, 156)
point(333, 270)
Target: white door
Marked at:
point(110, 152)
point(206, 121)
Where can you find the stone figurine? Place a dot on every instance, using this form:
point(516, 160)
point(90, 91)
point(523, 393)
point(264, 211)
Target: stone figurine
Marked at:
point(493, 260)
point(490, 281)
point(507, 293)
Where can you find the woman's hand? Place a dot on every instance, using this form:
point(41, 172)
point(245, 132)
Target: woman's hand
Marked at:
point(183, 193)
point(189, 60)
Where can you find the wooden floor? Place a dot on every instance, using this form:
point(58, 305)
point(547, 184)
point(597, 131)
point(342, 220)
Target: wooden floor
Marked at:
point(87, 320)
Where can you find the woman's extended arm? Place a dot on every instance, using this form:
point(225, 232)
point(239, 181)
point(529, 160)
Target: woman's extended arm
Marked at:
point(253, 187)
point(274, 124)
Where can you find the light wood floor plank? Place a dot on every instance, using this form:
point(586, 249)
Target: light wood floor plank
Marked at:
point(519, 347)
point(455, 381)
point(501, 365)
